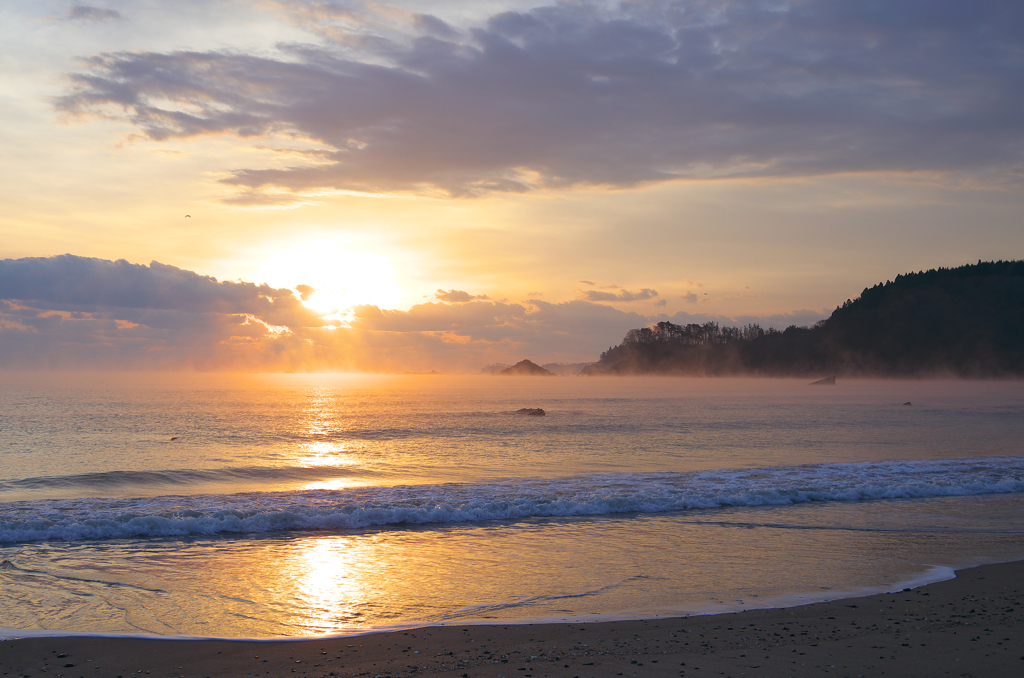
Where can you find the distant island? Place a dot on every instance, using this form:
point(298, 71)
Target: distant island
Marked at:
point(966, 321)
point(558, 369)
point(525, 368)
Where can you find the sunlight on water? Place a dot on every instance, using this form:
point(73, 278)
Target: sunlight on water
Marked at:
point(303, 504)
point(280, 432)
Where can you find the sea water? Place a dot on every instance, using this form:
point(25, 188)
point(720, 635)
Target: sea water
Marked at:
point(290, 505)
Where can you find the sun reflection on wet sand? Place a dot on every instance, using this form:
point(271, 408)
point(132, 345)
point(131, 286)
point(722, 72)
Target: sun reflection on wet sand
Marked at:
point(329, 579)
point(555, 569)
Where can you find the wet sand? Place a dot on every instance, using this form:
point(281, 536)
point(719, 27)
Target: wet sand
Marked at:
point(968, 626)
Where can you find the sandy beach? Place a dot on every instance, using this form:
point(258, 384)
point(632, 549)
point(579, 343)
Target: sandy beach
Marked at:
point(967, 626)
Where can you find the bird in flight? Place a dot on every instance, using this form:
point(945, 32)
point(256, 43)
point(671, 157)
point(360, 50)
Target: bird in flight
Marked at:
point(188, 216)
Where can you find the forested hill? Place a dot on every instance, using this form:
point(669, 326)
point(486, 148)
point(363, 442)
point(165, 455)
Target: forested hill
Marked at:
point(965, 321)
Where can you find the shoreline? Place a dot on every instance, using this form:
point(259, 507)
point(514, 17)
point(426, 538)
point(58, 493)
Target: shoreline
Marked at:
point(972, 624)
point(933, 574)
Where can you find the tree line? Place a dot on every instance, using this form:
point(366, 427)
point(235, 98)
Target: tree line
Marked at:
point(965, 321)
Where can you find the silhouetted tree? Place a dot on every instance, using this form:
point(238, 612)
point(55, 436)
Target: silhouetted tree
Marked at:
point(967, 321)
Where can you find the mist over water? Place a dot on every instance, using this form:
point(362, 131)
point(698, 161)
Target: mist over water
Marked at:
point(283, 505)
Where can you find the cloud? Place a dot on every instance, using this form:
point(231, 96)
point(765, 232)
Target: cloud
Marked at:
point(77, 312)
point(431, 25)
point(623, 295)
point(86, 13)
point(80, 312)
point(661, 302)
point(586, 282)
point(457, 296)
point(469, 335)
point(305, 292)
point(71, 283)
point(689, 297)
point(576, 94)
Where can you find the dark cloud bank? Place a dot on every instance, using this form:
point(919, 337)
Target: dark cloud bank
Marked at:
point(621, 295)
point(69, 311)
point(77, 312)
point(87, 13)
point(457, 296)
point(570, 94)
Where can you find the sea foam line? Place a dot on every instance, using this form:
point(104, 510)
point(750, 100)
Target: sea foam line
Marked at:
point(593, 495)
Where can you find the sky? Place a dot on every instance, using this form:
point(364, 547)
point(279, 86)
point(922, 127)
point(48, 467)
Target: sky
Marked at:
point(418, 185)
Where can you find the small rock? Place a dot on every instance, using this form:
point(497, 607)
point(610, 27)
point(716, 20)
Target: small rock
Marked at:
point(532, 411)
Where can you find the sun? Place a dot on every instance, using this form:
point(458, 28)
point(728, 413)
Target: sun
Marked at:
point(341, 276)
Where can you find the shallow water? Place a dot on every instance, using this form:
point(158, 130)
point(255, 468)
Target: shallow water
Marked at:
point(291, 505)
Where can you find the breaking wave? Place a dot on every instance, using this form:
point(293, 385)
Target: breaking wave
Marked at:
point(591, 495)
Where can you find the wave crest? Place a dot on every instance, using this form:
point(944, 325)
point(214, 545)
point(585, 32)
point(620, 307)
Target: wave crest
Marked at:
point(592, 495)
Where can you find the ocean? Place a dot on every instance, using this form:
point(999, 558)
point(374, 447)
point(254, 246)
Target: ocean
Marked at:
point(288, 505)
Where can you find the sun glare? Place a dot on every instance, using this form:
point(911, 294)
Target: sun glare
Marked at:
point(341, 277)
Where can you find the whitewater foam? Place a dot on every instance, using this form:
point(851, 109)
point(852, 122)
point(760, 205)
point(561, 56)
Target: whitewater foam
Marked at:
point(519, 498)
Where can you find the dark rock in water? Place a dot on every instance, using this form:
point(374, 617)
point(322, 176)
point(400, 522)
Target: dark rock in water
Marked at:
point(827, 381)
point(907, 404)
point(532, 411)
point(525, 368)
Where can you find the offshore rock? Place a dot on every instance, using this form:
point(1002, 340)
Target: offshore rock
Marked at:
point(532, 411)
